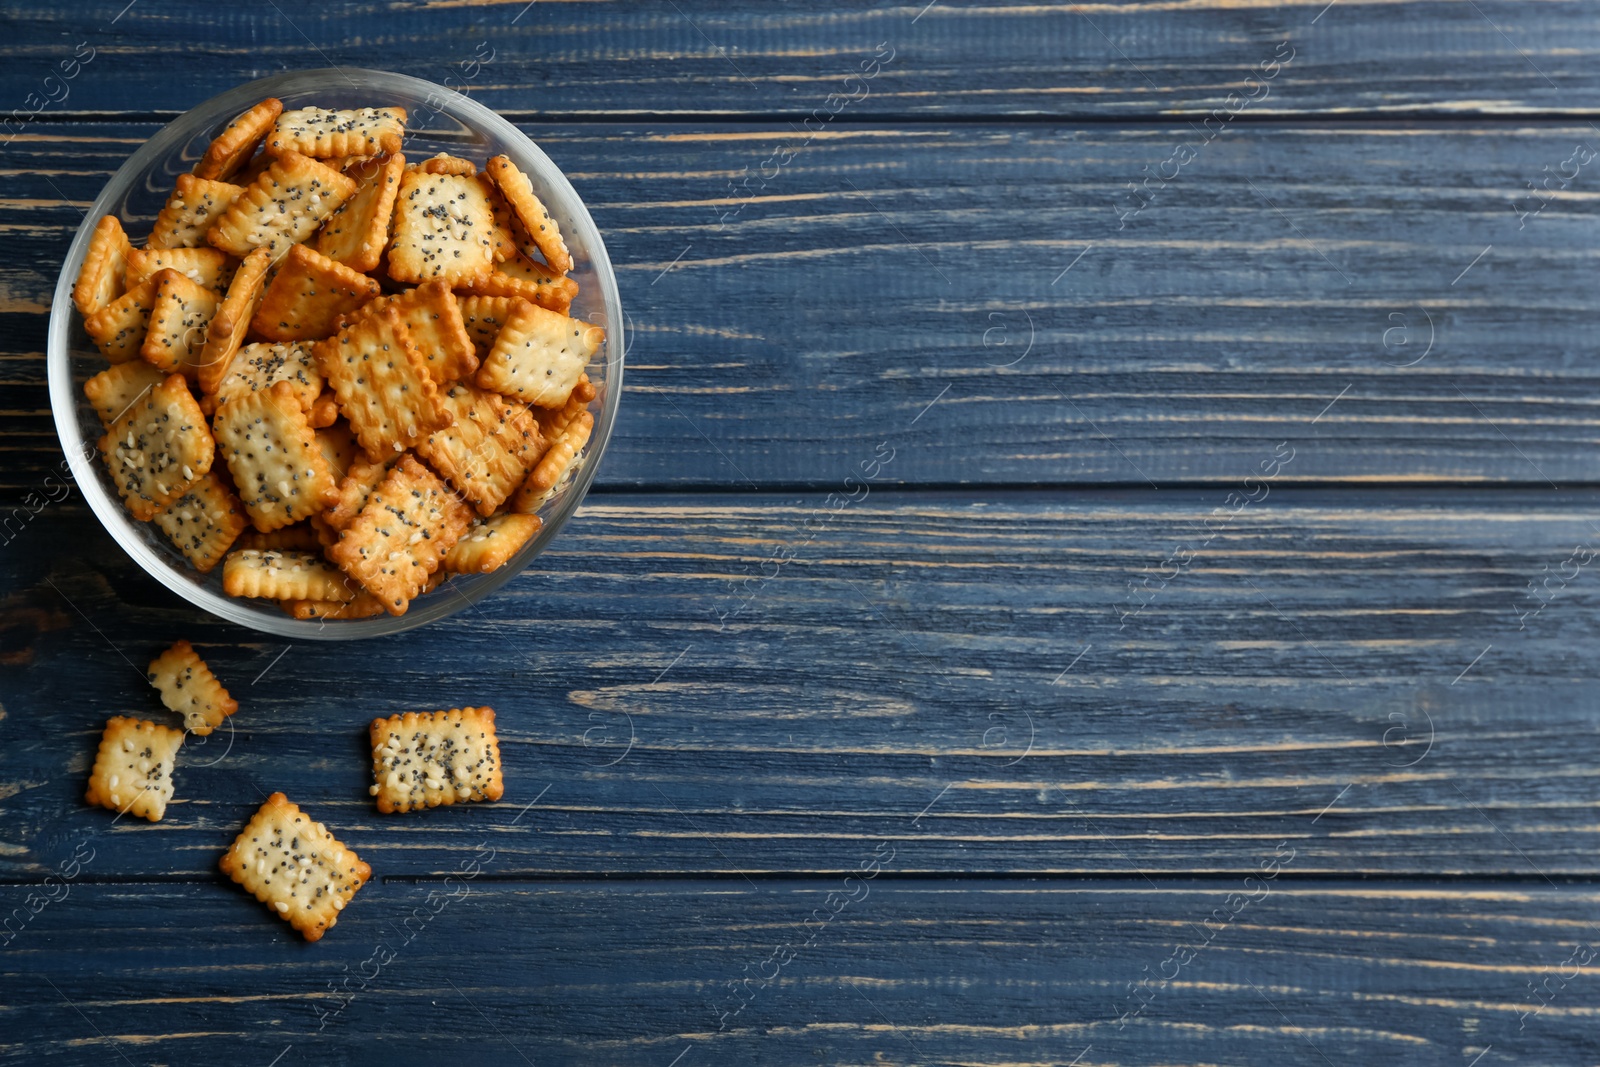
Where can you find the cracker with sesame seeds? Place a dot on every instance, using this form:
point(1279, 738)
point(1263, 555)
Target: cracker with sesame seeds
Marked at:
point(503, 237)
point(356, 234)
point(338, 445)
point(284, 575)
point(442, 225)
point(539, 356)
point(133, 768)
point(179, 316)
point(490, 544)
point(188, 687)
point(520, 276)
point(116, 387)
point(325, 133)
point(444, 163)
point(383, 384)
point(194, 205)
point(271, 451)
point(228, 325)
point(324, 410)
point(361, 477)
point(282, 207)
point(399, 538)
point(234, 145)
point(307, 295)
point(102, 278)
point(158, 448)
point(118, 329)
point(208, 267)
point(204, 522)
point(432, 318)
point(530, 212)
point(489, 448)
point(295, 866)
point(425, 759)
point(556, 466)
point(258, 367)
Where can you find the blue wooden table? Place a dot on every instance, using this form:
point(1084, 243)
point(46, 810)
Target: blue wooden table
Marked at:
point(1095, 565)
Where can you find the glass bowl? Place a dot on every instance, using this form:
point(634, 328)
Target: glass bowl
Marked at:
point(439, 120)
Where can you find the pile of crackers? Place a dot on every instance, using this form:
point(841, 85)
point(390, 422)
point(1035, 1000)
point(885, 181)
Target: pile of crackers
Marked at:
point(342, 376)
point(288, 860)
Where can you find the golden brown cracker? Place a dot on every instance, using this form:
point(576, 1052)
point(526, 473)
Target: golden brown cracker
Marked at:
point(425, 759)
point(397, 541)
point(116, 387)
point(356, 234)
point(179, 317)
point(487, 451)
point(364, 606)
point(539, 356)
point(361, 477)
point(551, 470)
point(188, 687)
point(118, 329)
point(234, 145)
point(210, 268)
point(324, 410)
point(444, 163)
point(482, 316)
point(519, 276)
point(133, 767)
point(194, 205)
point(325, 133)
point(295, 866)
point(442, 225)
point(530, 212)
point(204, 522)
point(258, 367)
point(158, 448)
point(297, 538)
point(338, 445)
point(282, 207)
point(102, 278)
point(271, 451)
point(490, 544)
point(432, 318)
point(383, 384)
point(307, 295)
point(228, 326)
point(284, 575)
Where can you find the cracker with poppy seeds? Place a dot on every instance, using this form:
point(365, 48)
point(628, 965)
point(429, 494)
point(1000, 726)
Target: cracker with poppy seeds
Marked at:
point(118, 329)
point(362, 476)
point(295, 866)
point(102, 277)
point(432, 318)
point(338, 445)
point(116, 387)
point(442, 225)
point(133, 767)
point(179, 316)
point(356, 234)
point(382, 382)
point(489, 448)
point(539, 356)
point(258, 367)
point(209, 267)
point(364, 606)
point(307, 295)
point(188, 687)
point(520, 277)
point(282, 207)
point(286, 574)
point(271, 451)
point(204, 522)
point(232, 148)
point(555, 466)
point(482, 316)
point(503, 237)
point(530, 212)
point(227, 329)
point(158, 448)
point(490, 544)
point(194, 205)
point(397, 541)
point(425, 759)
point(326, 133)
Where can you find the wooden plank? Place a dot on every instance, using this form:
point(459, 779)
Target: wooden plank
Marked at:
point(1277, 291)
point(1344, 670)
point(1007, 972)
point(942, 59)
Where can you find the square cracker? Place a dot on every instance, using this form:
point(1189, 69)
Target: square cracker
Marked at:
point(383, 384)
point(188, 687)
point(133, 768)
point(521, 277)
point(530, 212)
point(118, 329)
point(179, 316)
point(276, 574)
point(116, 387)
point(401, 535)
point(208, 267)
point(234, 145)
point(258, 367)
point(295, 866)
point(194, 205)
point(101, 279)
point(432, 318)
point(356, 234)
point(232, 319)
point(282, 207)
point(483, 316)
point(323, 133)
point(490, 544)
point(539, 356)
point(158, 448)
point(489, 448)
point(203, 522)
point(271, 451)
point(556, 464)
point(307, 295)
point(361, 477)
point(442, 229)
point(425, 759)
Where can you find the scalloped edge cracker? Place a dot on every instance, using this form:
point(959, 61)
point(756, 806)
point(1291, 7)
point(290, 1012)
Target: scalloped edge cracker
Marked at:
point(180, 317)
point(282, 207)
point(521, 277)
point(188, 688)
point(383, 384)
point(539, 356)
point(271, 451)
point(307, 295)
point(562, 458)
point(114, 389)
point(232, 148)
point(275, 574)
point(102, 277)
point(357, 233)
point(426, 759)
point(329, 133)
point(227, 330)
point(397, 541)
point(361, 478)
point(262, 366)
point(132, 771)
point(295, 866)
point(158, 448)
point(204, 522)
point(211, 268)
point(118, 329)
point(442, 229)
point(530, 212)
point(489, 448)
point(490, 544)
point(432, 318)
point(194, 205)
point(483, 316)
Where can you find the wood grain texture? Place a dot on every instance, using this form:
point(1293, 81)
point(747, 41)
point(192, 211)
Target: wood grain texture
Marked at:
point(1003, 973)
point(1364, 292)
point(950, 59)
point(1344, 670)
